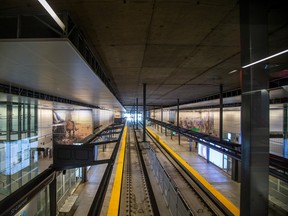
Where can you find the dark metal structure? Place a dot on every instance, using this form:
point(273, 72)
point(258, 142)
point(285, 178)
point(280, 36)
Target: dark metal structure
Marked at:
point(254, 108)
point(221, 113)
point(154, 205)
point(72, 156)
point(18, 199)
point(67, 157)
point(144, 112)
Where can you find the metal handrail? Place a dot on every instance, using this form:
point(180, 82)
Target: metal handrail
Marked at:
point(278, 165)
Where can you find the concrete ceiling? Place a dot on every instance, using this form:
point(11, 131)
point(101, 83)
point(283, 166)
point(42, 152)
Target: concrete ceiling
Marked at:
point(180, 49)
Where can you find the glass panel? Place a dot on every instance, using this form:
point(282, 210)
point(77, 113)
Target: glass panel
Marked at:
point(225, 162)
point(59, 187)
point(3, 117)
point(15, 120)
point(73, 177)
point(25, 118)
point(32, 118)
point(202, 150)
point(19, 163)
point(216, 158)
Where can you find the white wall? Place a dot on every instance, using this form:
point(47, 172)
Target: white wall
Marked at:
point(45, 121)
point(106, 117)
point(276, 120)
point(165, 115)
point(158, 115)
point(231, 121)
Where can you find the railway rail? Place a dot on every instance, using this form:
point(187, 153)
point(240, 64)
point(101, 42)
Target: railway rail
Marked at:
point(199, 202)
point(138, 197)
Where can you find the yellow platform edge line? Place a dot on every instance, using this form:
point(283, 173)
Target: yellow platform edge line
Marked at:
point(114, 203)
point(232, 208)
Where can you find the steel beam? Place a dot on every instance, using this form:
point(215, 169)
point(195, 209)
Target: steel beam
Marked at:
point(221, 114)
point(285, 131)
point(178, 120)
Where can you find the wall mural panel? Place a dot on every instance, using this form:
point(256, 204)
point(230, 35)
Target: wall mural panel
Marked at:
point(71, 126)
point(196, 121)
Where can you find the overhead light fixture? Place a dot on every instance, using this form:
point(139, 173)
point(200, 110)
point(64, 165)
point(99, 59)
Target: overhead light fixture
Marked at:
point(264, 59)
point(52, 14)
point(233, 71)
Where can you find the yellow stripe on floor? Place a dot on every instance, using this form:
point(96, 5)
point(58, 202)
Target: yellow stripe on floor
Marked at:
point(229, 205)
point(116, 189)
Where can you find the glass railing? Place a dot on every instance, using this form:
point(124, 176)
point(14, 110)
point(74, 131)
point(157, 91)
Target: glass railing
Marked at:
point(18, 164)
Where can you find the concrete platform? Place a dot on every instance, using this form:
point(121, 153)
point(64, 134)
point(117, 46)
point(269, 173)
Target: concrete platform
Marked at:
point(214, 175)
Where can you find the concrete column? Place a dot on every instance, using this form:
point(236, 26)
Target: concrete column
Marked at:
point(144, 112)
point(254, 109)
point(235, 172)
point(178, 120)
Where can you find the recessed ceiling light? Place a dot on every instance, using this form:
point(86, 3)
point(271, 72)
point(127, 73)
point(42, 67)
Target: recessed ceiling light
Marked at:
point(233, 71)
point(52, 14)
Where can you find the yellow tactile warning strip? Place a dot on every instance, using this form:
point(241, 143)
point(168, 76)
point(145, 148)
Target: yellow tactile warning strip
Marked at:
point(116, 189)
point(232, 208)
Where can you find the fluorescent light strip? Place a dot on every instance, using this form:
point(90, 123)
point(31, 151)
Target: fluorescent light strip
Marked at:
point(52, 13)
point(264, 59)
point(233, 71)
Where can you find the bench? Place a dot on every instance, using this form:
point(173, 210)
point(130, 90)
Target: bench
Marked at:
point(69, 207)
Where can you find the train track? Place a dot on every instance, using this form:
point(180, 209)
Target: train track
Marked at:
point(136, 194)
point(199, 202)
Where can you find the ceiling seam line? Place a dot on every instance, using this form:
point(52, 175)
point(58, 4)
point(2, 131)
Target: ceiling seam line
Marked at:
point(147, 38)
point(195, 48)
point(203, 72)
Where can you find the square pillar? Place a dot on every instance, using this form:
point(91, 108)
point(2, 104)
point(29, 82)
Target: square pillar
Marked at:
point(254, 109)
